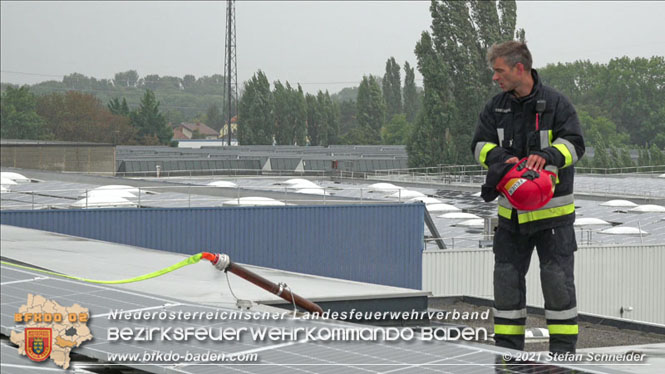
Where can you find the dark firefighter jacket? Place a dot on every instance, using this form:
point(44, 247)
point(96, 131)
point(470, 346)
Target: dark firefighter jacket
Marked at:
point(507, 128)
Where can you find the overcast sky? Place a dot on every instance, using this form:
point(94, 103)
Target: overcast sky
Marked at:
point(322, 45)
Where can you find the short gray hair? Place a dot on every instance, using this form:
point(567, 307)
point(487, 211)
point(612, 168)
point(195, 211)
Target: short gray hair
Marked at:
point(513, 52)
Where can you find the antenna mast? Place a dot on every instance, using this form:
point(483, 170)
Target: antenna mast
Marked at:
point(230, 67)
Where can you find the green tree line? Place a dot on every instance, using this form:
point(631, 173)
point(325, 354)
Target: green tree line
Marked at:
point(621, 104)
point(79, 116)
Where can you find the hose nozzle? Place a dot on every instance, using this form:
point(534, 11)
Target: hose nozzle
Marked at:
point(219, 260)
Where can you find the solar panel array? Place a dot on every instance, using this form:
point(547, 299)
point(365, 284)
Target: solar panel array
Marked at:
point(131, 159)
point(309, 356)
point(61, 195)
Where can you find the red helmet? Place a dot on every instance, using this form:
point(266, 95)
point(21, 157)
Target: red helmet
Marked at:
point(527, 189)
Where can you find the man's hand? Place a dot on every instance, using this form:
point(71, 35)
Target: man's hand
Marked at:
point(512, 160)
point(535, 162)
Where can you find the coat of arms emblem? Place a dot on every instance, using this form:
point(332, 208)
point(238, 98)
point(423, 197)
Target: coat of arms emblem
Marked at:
point(38, 343)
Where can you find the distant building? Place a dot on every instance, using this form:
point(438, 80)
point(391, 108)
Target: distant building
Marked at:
point(234, 129)
point(193, 131)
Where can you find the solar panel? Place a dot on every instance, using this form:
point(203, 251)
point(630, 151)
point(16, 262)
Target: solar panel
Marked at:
point(274, 356)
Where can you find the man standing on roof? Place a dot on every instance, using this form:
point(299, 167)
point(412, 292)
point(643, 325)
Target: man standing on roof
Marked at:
point(531, 120)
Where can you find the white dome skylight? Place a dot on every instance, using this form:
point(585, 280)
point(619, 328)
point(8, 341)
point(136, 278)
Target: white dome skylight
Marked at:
point(383, 187)
point(313, 191)
point(7, 182)
point(300, 181)
point(223, 184)
point(425, 199)
point(113, 193)
point(103, 201)
point(624, 230)
point(459, 215)
point(406, 194)
point(16, 177)
point(253, 201)
point(648, 209)
point(472, 223)
point(590, 221)
point(619, 203)
point(116, 187)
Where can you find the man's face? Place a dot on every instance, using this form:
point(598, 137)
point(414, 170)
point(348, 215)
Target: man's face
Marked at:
point(507, 77)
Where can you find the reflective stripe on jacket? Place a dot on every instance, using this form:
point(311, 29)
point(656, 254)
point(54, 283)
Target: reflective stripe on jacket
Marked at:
point(506, 128)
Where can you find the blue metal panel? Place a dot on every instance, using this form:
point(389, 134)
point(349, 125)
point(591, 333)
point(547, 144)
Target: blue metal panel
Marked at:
point(369, 243)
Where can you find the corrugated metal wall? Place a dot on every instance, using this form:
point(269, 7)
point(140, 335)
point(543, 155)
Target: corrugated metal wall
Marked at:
point(369, 243)
point(606, 278)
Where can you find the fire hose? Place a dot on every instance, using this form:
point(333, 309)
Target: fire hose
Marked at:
point(221, 262)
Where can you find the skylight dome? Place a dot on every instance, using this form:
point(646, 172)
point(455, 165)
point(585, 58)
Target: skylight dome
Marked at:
point(383, 187)
point(7, 182)
point(223, 184)
point(459, 215)
point(16, 177)
point(406, 194)
point(313, 191)
point(590, 221)
point(300, 182)
point(116, 187)
point(425, 199)
point(253, 201)
point(104, 201)
point(619, 203)
point(114, 193)
point(624, 230)
point(649, 208)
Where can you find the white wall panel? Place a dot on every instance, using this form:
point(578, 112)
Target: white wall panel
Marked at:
point(606, 277)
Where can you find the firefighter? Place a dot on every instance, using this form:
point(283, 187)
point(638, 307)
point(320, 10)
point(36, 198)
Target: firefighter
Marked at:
point(529, 119)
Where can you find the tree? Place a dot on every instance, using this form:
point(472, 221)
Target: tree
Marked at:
point(396, 131)
point(314, 121)
point(118, 108)
point(255, 118)
point(18, 117)
point(333, 120)
point(188, 82)
point(128, 78)
point(457, 80)
point(77, 81)
point(299, 113)
point(633, 91)
point(214, 117)
point(149, 122)
point(150, 82)
point(624, 158)
point(628, 92)
point(290, 114)
point(656, 155)
point(347, 112)
point(411, 102)
point(371, 110)
point(392, 90)
point(77, 116)
point(323, 118)
point(283, 124)
point(430, 137)
point(596, 126)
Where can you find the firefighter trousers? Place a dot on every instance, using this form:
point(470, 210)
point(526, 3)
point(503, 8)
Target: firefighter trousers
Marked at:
point(512, 256)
